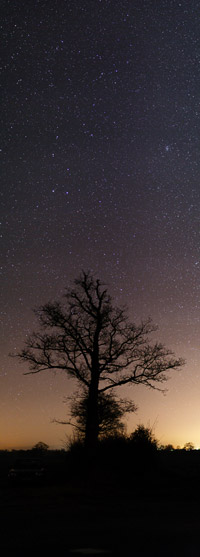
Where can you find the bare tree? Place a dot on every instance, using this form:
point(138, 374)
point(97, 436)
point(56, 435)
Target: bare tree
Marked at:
point(94, 342)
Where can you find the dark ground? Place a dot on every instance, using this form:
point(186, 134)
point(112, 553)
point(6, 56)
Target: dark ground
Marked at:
point(147, 509)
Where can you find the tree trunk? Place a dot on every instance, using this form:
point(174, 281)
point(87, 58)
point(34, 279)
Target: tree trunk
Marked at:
point(92, 422)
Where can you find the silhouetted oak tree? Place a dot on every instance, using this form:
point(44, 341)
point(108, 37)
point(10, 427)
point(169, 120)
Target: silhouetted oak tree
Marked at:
point(94, 342)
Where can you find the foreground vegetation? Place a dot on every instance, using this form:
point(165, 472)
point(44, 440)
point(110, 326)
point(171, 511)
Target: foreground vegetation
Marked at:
point(121, 457)
point(127, 499)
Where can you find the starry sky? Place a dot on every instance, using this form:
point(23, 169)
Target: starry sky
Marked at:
point(100, 149)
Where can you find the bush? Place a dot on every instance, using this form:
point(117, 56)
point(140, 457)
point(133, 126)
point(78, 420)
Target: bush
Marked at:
point(143, 440)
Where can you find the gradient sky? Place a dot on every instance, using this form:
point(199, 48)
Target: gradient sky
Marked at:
point(100, 170)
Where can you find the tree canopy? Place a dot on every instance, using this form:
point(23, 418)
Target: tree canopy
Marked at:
point(94, 342)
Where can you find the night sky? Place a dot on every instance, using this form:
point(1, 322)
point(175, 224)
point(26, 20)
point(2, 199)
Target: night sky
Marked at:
point(100, 170)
